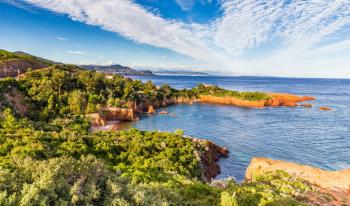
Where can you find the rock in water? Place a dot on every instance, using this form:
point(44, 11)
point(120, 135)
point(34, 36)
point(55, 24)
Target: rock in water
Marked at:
point(151, 110)
point(325, 108)
point(306, 105)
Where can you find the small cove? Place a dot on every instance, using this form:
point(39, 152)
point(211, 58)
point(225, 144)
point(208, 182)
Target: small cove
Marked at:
point(303, 135)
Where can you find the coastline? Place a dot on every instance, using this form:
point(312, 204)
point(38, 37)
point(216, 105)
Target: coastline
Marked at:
point(115, 114)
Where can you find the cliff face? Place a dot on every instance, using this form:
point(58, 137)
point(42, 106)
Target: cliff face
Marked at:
point(335, 184)
point(120, 114)
point(336, 180)
point(111, 115)
point(209, 155)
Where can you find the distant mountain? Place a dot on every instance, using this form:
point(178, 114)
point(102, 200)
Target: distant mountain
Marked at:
point(14, 63)
point(118, 69)
point(181, 73)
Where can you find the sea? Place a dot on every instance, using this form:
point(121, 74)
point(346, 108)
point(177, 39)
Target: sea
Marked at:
point(302, 135)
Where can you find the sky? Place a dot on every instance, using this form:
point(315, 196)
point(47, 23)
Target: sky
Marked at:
point(290, 38)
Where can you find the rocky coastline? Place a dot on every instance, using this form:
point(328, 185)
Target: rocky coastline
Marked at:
point(133, 110)
point(332, 184)
point(208, 155)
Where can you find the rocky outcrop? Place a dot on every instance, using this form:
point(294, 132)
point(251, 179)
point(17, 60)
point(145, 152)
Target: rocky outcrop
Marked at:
point(111, 114)
point(277, 100)
point(120, 114)
point(325, 108)
point(335, 184)
point(284, 98)
point(336, 180)
point(306, 105)
point(151, 110)
point(97, 119)
point(209, 154)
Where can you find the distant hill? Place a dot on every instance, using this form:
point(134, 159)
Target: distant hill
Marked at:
point(117, 69)
point(181, 73)
point(14, 63)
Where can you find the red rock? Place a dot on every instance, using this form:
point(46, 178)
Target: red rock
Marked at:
point(306, 105)
point(289, 104)
point(151, 110)
point(325, 108)
point(326, 183)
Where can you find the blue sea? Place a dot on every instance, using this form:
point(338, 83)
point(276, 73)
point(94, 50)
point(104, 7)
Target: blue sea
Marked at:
point(302, 135)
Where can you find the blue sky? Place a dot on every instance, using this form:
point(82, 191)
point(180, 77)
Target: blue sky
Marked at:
point(233, 37)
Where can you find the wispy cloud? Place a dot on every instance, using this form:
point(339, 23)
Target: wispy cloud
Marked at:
point(185, 5)
point(77, 52)
point(292, 28)
point(61, 38)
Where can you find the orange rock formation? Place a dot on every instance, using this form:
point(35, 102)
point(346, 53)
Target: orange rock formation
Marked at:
point(336, 180)
point(277, 100)
point(151, 110)
point(333, 183)
point(325, 108)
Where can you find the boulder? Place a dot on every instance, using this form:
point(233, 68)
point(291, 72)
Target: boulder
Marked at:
point(151, 110)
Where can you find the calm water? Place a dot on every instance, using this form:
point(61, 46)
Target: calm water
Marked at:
point(303, 135)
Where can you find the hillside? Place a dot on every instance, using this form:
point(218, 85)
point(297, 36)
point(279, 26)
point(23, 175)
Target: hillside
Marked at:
point(49, 155)
point(118, 69)
point(14, 63)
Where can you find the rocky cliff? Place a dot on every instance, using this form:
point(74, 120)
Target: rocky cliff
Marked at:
point(209, 154)
point(332, 184)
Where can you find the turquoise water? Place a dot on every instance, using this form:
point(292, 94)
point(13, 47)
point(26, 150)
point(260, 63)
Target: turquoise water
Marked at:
point(303, 135)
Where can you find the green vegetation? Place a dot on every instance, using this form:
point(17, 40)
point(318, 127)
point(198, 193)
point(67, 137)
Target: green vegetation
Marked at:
point(48, 156)
point(65, 164)
point(15, 56)
point(217, 91)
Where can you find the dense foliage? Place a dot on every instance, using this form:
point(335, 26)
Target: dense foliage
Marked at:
point(62, 163)
point(217, 91)
point(66, 89)
point(48, 156)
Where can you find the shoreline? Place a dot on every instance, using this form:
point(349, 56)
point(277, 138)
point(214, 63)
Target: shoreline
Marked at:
point(134, 110)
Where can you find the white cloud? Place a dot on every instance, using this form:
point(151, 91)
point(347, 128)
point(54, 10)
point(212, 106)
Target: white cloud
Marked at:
point(61, 38)
point(136, 23)
point(185, 5)
point(77, 52)
point(292, 30)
